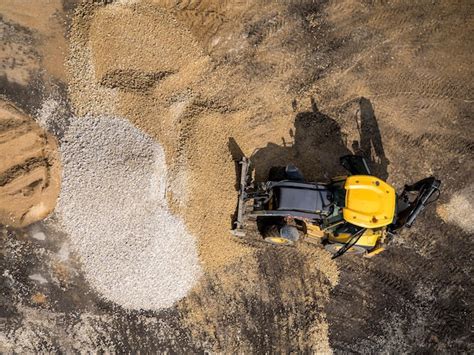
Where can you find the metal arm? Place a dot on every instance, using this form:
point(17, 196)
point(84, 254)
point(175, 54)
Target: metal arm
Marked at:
point(355, 237)
point(355, 164)
point(408, 210)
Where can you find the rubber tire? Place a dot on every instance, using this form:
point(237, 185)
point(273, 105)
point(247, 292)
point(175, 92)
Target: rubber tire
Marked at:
point(273, 231)
point(354, 250)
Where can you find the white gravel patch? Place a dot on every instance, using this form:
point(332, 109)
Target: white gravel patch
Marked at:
point(39, 278)
point(113, 205)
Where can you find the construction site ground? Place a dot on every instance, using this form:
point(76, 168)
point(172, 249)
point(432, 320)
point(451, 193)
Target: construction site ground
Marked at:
point(102, 98)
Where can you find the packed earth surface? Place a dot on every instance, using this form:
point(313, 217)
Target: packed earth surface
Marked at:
point(120, 125)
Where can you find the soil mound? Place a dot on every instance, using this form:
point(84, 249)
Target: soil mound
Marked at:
point(29, 168)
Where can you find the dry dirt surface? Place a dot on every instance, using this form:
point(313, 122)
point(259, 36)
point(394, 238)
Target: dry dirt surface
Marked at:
point(205, 82)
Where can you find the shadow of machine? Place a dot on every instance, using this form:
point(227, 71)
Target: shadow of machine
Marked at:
point(370, 143)
point(317, 139)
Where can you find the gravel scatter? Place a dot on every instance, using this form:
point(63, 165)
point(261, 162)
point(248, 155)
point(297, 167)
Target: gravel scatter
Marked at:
point(113, 206)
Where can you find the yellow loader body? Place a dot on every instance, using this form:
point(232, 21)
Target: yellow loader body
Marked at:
point(370, 201)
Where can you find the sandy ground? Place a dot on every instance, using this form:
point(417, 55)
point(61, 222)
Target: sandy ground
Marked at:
point(302, 82)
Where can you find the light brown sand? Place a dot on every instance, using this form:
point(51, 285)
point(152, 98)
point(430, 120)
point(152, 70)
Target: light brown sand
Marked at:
point(29, 168)
point(47, 21)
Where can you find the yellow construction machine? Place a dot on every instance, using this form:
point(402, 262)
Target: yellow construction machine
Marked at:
point(355, 214)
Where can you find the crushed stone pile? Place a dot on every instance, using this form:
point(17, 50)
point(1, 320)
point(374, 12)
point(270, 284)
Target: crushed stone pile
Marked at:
point(113, 206)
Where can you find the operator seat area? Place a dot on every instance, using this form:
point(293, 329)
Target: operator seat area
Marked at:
point(302, 197)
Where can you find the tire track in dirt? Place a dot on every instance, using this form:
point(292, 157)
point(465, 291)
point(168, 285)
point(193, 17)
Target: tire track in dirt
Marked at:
point(414, 85)
point(272, 314)
point(441, 143)
point(426, 273)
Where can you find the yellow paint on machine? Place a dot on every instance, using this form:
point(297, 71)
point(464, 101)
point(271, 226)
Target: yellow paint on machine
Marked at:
point(368, 240)
point(374, 252)
point(370, 202)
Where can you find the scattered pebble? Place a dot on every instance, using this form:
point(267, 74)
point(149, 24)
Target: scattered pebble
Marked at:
point(39, 236)
point(39, 278)
point(63, 253)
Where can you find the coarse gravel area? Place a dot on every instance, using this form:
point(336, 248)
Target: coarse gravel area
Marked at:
point(114, 182)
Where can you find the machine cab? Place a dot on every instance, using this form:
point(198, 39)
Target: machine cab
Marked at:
point(365, 206)
point(369, 202)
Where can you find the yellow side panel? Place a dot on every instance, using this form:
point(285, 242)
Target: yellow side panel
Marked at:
point(374, 252)
point(368, 239)
point(370, 202)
